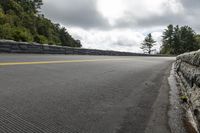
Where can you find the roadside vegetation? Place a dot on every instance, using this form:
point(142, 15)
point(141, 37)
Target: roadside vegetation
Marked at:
point(21, 20)
point(175, 40)
point(178, 40)
point(148, 44)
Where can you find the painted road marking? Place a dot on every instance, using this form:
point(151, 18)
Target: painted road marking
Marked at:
point(56, 62)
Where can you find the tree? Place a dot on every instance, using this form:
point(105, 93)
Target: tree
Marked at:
point(188, 41)
point(20, 20)
point(176, 47)
point(37, 4)
point(168, 39)
point(197, 37)
point(148, 43)
point(178, 40)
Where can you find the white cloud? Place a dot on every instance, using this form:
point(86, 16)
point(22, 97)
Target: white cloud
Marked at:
point(144, 8)
point(114, 10)
point(157, 36)
point(111, 9)
point(120, 24)
point(122, 40)
point(175, 6)
point(126, 39)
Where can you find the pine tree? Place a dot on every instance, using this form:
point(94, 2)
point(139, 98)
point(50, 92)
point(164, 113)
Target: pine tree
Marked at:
point(148, 43)
point(178, 40)
point(168, 39)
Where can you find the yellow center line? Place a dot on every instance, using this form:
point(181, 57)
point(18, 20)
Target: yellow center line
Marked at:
point(56, 62)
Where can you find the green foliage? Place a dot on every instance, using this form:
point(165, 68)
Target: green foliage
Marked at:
point(184, 99)
point(197, 38)
point(6, 32)
point(178, 40)
point(148, 43)
point(20, 20)
point(41, 39)
point(22, 34)
point(168, 39)
point(15, 33)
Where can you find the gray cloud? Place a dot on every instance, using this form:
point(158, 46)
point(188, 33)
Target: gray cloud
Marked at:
point(158, 21)
point(191, 4)
point(192, 13)
point(86, 22)
point(84, 14)
point(123, 43)
point(153, 21)
point(80, 13)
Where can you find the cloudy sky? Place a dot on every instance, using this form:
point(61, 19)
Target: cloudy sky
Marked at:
point(121, 24)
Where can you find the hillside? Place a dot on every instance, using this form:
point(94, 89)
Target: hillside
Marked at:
point(21, 20)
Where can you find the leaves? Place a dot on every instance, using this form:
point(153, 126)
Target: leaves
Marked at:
point(20, 20)
point(148, 43)
point(178, 40)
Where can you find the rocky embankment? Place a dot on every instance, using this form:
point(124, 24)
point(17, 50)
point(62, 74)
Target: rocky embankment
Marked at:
point(187, 68)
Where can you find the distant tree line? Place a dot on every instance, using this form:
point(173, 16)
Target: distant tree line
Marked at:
point(175, 40)
point(20, 20)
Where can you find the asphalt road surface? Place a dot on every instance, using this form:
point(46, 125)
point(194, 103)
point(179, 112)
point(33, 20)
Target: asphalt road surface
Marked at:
point(83, 94)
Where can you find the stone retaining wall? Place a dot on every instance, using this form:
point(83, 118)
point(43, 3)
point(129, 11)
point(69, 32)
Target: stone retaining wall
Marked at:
point(188, 70)
point(8, 46)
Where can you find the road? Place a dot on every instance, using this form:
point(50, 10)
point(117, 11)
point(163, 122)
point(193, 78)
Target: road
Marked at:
point(83, 94)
